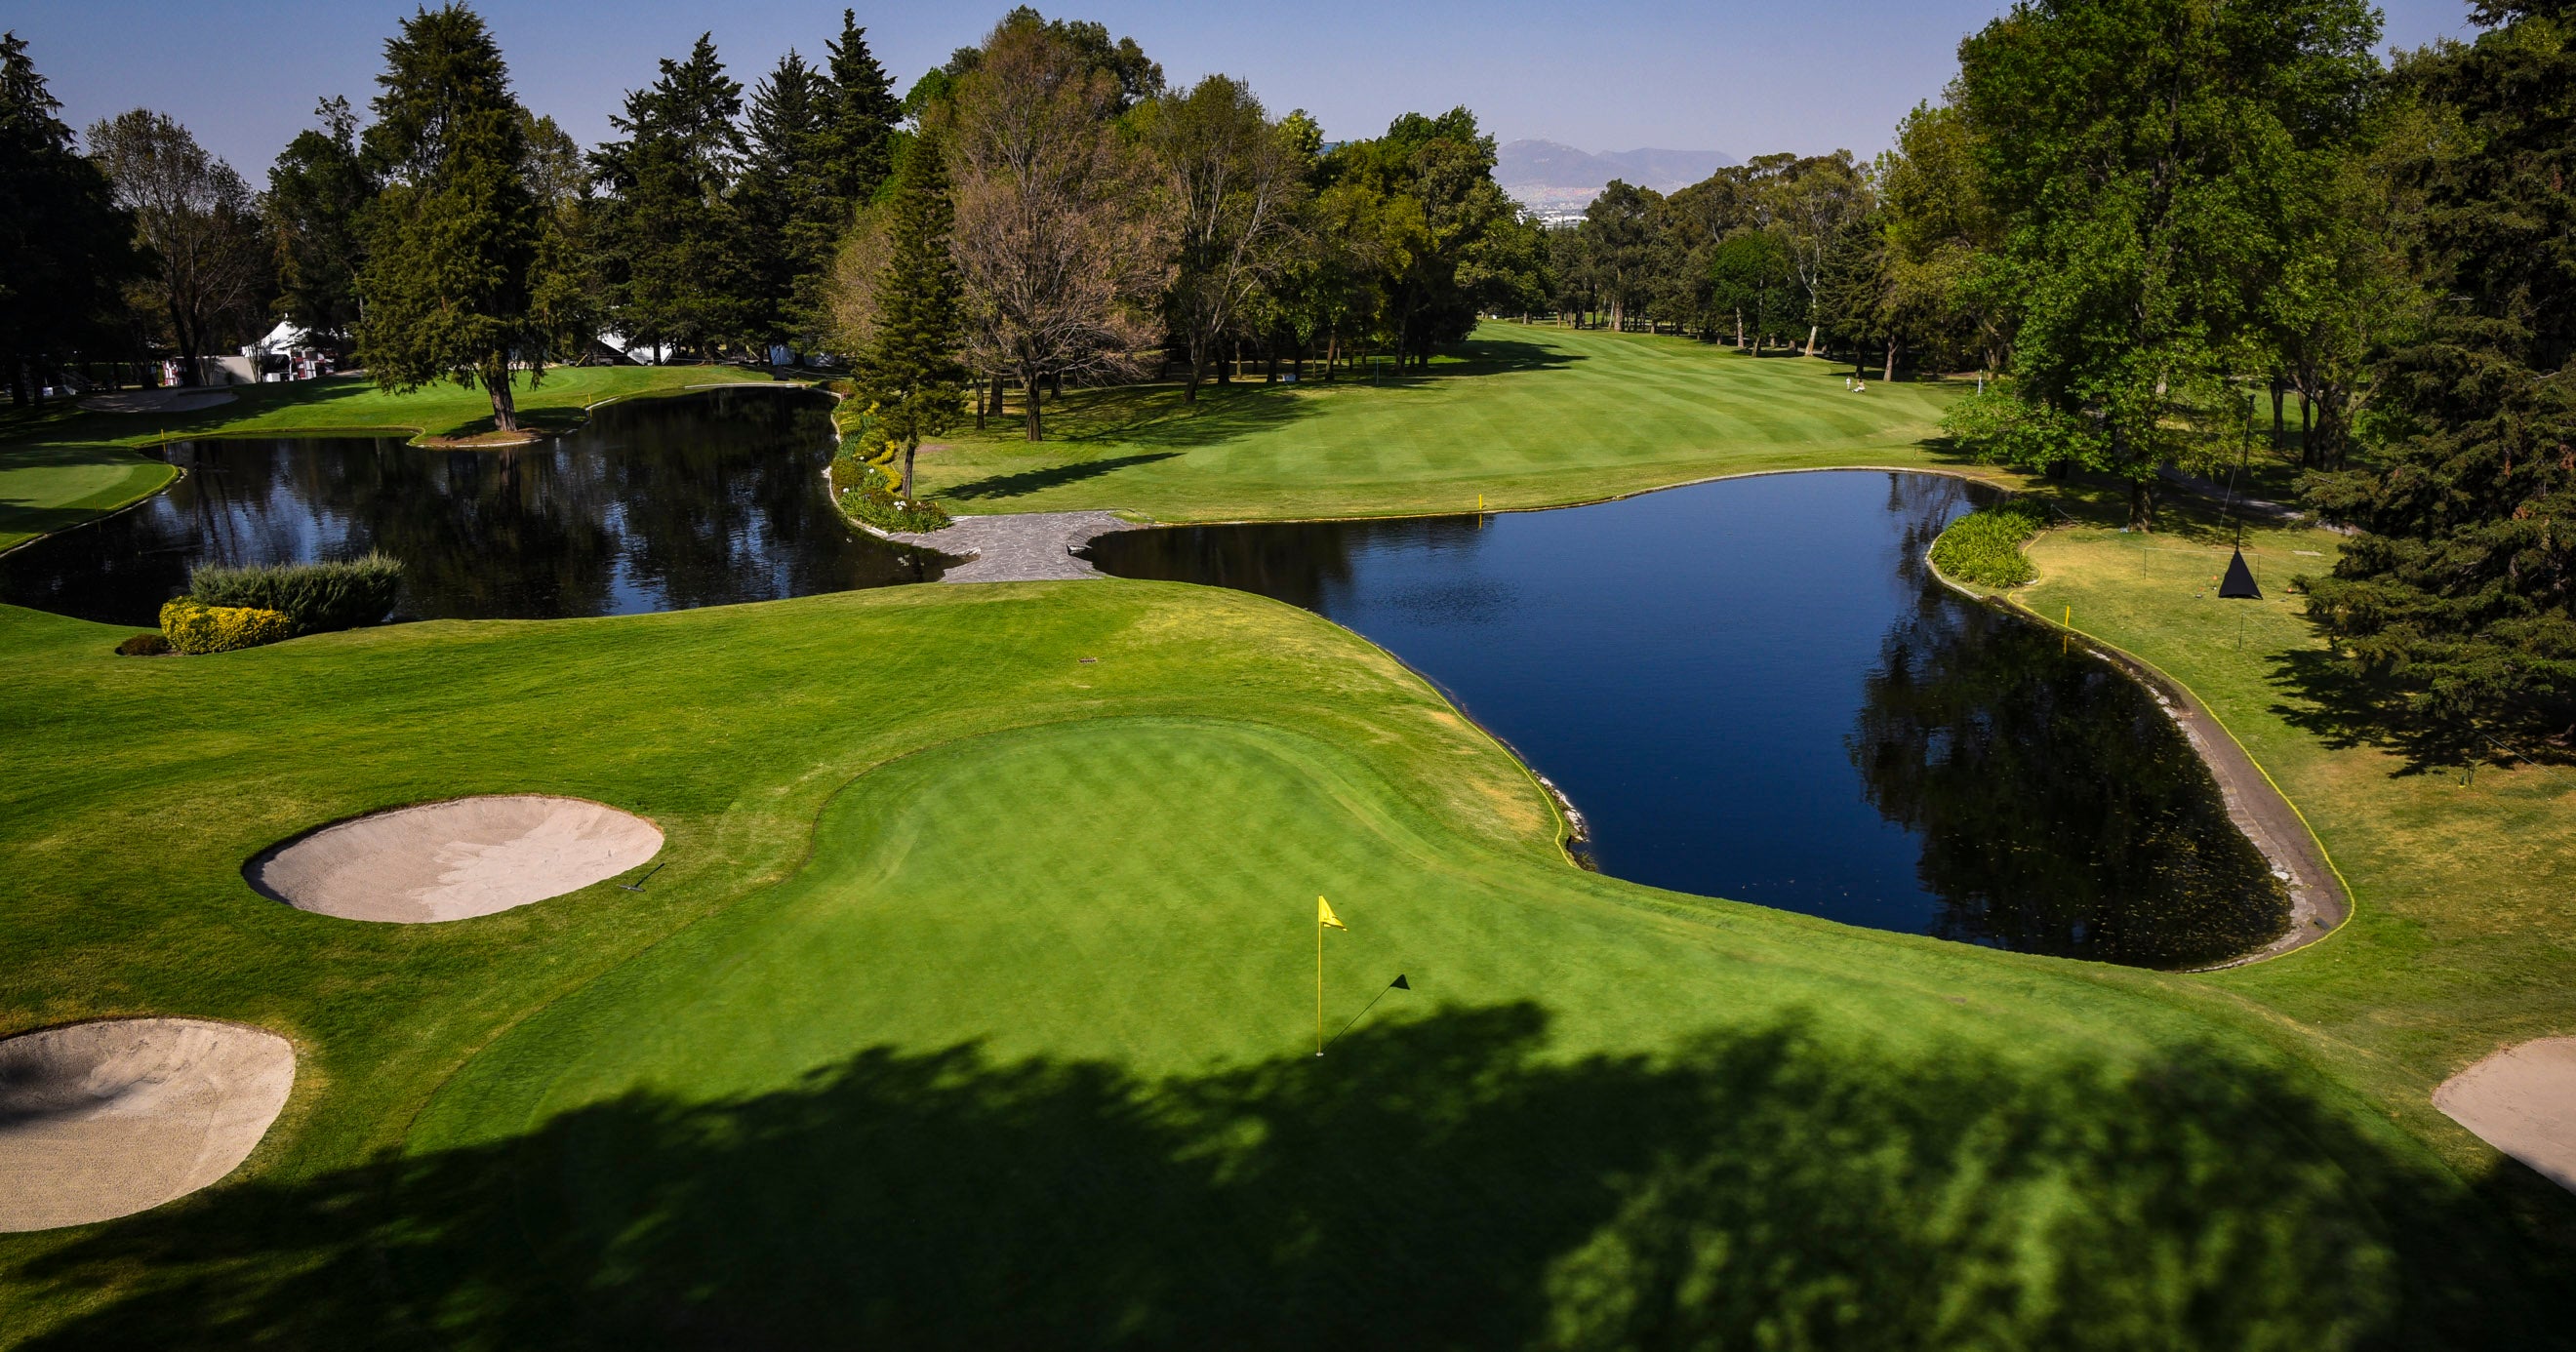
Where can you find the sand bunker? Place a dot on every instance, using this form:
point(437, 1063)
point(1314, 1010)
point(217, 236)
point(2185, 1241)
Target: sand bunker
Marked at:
point(101, 1120)
point(447, 861)
point(155, 401)
point(2522, 1101)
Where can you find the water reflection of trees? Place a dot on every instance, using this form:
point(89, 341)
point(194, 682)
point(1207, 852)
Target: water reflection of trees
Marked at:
point(658, 505)
point(1309, 564)
point(2060, 810)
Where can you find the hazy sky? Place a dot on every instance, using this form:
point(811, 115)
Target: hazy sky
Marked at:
point(1728, 75)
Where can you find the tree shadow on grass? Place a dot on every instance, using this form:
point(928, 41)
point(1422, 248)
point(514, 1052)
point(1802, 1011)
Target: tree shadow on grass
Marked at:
point(1051, 476)
point(1438, 1182)
point(2346, 707)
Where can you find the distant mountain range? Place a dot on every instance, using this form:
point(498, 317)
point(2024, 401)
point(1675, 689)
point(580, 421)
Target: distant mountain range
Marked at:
point(1559, 180)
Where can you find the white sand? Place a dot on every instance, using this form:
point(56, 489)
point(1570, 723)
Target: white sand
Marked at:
point(156, 401)
point(2522, 1101)
point(101, 1120)
point(451, 860)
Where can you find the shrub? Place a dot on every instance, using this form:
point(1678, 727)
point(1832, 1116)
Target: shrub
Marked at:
point(195, 627)
point(1985, 547)
point(314, 597)
point(867, 493)
point(143, 645)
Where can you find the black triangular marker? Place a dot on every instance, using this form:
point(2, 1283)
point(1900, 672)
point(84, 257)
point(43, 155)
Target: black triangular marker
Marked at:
point(1400, 983)
point(2239, 581)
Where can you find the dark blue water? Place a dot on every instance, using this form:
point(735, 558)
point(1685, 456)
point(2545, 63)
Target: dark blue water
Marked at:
point(1753, 689)
point(661, 504)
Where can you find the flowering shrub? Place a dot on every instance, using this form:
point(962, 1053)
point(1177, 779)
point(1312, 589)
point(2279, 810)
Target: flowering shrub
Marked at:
point(195, 627)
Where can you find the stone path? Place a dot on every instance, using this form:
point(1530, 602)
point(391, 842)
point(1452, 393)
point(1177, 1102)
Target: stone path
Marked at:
point(1026, 547)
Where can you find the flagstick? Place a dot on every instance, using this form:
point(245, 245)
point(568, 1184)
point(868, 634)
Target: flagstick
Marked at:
point(1319, 984)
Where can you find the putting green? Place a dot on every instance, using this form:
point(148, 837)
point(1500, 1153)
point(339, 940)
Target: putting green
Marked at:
point(1025, 1050)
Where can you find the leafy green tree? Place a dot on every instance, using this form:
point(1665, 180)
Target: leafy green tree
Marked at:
point(1941, 237)
point(2457, 599)
point(567, 304)
point(2134, 150)
point(1425, 195)
point(679, 263)
point(1618, 237)
point(69, 246)
point(910, 369)
point(1230, 183)
point(1754, 276)
point(453, 237)
point(195, 219)
point(318, 194)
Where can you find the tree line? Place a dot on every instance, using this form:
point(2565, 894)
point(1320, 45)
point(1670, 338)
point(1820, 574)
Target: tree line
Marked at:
point(1098, 220)
point(2148, 225)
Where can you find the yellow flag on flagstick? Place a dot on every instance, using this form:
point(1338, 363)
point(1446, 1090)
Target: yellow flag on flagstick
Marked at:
point(1324, 915)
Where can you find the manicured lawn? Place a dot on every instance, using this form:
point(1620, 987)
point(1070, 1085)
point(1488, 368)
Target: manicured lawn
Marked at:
point(974, 1006)
point(44, 488)
point(1529, 416)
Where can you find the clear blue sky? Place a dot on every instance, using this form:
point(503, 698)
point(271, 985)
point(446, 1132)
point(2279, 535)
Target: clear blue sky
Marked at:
point(1729, 75)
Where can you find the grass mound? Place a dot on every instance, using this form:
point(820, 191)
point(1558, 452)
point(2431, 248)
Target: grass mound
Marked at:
point(1984, 547)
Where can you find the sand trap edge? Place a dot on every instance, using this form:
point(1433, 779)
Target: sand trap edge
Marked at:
point(2521, 1100)
point(223, 1135)
point(255, 871)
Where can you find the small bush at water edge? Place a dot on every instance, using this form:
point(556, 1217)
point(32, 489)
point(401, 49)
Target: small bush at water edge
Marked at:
point(867, 493)
point(1984, 547)
point(314, 597)
point(194, 627)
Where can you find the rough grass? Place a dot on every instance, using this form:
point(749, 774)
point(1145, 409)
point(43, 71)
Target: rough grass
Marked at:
point(1528, 416)
point(974, 1005)
point(2461, 939)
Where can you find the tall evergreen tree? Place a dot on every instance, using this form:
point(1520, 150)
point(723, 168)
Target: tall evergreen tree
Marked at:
point(2461, 595)
point(453, 236)
point(790, 213)
point(910, 369)
point(858, 135)
point(680, 270)
point(318, 193)
point(69, 246)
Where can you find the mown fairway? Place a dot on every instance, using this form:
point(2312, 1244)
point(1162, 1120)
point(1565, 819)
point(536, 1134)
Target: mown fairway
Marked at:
point(47, 487)
point(1021, 1050)
point(1529, 416)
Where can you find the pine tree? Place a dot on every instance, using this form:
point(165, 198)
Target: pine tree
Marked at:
point(678, 253)
point(910, 367)
point(2461, 596)
point(790, 212)
point(454, 234)
point(858, 138)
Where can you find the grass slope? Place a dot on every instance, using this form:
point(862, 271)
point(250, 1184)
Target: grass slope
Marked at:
point(974, 1007)
point(1528, 416)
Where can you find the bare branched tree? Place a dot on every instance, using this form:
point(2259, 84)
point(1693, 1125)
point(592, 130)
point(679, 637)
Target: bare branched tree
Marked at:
point(197, 220)
point(1057, 254)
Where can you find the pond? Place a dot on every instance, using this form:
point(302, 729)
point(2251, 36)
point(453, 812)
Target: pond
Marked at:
point(1754, 689)
point(658, 504)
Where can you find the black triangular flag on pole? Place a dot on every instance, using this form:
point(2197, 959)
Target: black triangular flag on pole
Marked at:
point(1400, 983)
point(2239, 581)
